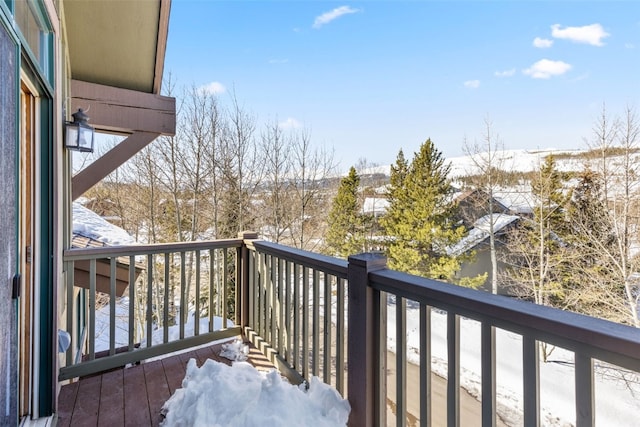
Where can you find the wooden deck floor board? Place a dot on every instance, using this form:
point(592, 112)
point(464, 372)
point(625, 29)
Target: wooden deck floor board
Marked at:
point(174, 370)
point(85, 411)
point(157, 389)
point(67, 399)
point(136, 404)
point(132, 396)
point(111, 411)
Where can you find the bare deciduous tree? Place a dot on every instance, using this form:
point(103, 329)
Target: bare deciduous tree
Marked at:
point(488, 176)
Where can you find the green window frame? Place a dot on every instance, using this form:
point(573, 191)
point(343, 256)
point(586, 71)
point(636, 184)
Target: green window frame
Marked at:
point(35, 32)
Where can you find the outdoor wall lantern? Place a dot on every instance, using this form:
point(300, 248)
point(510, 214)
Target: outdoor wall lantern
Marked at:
point(78, 133)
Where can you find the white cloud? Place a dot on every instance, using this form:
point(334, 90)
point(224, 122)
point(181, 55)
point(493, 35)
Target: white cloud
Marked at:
point(542, 43)
point(290, 123)
point(629, 46)
point(472, 84)
point(546, 68)
point(278, 61)
point(505, 73)
point(213, 88)
point(327, 17)
point(589, 34)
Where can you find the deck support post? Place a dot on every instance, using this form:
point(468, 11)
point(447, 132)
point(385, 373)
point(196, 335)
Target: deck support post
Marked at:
point(243, 287)
point(365, 359)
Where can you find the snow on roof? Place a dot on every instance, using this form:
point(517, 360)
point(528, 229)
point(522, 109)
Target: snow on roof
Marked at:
point(375, 205)
point(480, 232)
point(89, 224)
point(516, 199)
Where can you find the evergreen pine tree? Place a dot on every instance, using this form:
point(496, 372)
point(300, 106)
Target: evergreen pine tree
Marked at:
point(345, 235)
point(418, 220)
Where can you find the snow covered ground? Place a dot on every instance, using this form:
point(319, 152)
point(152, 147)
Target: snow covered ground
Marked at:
point(515, 160)
point(239, 395)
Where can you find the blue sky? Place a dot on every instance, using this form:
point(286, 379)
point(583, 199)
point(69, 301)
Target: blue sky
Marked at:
point(369, 78)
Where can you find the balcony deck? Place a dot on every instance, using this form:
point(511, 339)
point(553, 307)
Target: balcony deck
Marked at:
point(313, 315)
point(134, 396)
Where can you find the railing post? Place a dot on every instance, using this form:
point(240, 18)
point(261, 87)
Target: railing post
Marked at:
point(242, 287)
point(363, 340)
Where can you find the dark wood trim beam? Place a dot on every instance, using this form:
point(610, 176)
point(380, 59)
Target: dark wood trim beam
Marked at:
point(115, 109)
point(161, 47)
point(109, 162)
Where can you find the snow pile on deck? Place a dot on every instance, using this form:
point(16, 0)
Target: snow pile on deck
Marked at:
point(239, 395)
point(236, 351)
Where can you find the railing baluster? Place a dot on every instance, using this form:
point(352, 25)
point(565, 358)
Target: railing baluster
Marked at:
point(132, 302)
point(340, 315)
point(241, 284)
point(453, 369)
point(425, 365)
point(259, 296)
point(401, 361)
point(585, 396)
point(196, 324)
point(488, 374)
point(273, 297)
point(253, 290)
point(149, 307)
point(92, 309)
point(167, 304)
point(380, 360)
point(184, 310)
point(305, 322)
point(225, 289)
point(327, 329)
point(289, 314)
point(316, 322)
point(531, 381)
point(279, 309)
point(75, 332)
point(296, 316)
point(267, 298)
point(112, 306)
point(211, 288)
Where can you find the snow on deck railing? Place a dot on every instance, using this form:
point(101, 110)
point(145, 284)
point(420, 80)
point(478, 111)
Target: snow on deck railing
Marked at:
point(166, 285)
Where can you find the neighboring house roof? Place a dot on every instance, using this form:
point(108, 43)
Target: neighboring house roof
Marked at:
point(92, 231)
point(89, 225)
point(480, 232)
point(517, 201)
point(477, 195)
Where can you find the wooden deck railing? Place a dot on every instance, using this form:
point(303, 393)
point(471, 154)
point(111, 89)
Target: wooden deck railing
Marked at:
point(206, 273)
point(300, 308)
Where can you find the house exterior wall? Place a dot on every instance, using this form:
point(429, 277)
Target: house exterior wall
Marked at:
point(30, 61)
point(8, 225)
point(482, 264)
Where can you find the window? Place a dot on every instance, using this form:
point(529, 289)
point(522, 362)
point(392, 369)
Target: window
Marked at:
point(34, 28)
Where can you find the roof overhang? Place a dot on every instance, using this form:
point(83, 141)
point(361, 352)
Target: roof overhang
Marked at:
point(116, 51)
point(119, 43)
